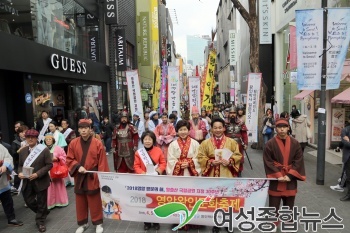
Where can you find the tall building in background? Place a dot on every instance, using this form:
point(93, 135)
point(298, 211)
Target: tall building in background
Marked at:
point(195, 49)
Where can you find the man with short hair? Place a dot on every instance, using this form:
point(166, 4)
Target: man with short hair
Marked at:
point(6, 167)
point(44, 120)
point(283, 160)
point(213, 165)
point(68, 133)
point(35, 182)
point(87, 153)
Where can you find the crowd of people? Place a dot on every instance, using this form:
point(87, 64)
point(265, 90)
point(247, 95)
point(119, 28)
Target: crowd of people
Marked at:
point(161, 144)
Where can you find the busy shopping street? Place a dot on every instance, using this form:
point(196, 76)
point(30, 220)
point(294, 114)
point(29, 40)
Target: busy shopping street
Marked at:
point(174, 116)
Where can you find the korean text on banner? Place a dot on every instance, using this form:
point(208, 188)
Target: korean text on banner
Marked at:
point(293, 48)
point(173, 89)
point(138, 197)
point(209, 82)
point(156, 88)
point(132, 78)
point(338, 35)
point(309, 28)
point(194, 84)
point(252, 111)
point(163, 87)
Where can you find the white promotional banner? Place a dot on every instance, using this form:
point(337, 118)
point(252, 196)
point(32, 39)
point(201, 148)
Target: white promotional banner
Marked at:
point(265, 22)
point(132, 79)
point(309, 31)
point(252, 111)
point(178, 199)
point(233, 40)
point(194, 88)
point(338, 36)
point(173, 89)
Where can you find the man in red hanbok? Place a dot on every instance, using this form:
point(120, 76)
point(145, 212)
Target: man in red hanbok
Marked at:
point(125, 140)
point(165, 134)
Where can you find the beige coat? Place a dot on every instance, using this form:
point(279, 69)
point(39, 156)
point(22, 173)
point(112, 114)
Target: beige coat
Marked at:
point(299, 128)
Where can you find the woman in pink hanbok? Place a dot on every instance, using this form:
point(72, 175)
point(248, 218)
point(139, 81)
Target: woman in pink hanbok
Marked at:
point(165, 134)
point(57, 193)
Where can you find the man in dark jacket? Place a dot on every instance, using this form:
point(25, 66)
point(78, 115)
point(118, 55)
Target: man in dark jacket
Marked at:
point(345, 138)
point(35, 162)
point(107, 129)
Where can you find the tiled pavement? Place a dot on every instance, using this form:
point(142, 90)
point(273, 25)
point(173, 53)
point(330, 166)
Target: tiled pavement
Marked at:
point(315, 197)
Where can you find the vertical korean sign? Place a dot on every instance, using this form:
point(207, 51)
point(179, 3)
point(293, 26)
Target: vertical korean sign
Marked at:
point(293, 48)
point(163, 87)
point(309, 28)
point(155, 52)
point(173, 89)
point(145, 40)
point(253, 95)
point(338, 36)
point(233, 47)
point(265, 22)
point(194, 84)
point(134, 91)
point(121, 49)
point(209, 82)
point(338, 121)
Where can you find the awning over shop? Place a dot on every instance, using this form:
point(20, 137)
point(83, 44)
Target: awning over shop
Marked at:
point(342, 97)
point(303, 94)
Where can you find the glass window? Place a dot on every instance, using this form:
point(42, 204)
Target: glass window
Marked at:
point(60, 24)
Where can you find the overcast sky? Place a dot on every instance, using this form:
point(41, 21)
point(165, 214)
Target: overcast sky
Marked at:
point(194, 17)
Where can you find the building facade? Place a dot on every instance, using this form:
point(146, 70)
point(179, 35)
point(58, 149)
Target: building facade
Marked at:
point(50, 59)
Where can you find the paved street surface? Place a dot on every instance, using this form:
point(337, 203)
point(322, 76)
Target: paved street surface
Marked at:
point(315, 197)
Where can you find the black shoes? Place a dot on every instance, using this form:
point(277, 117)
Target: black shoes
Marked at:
point(41, 228)
point(156, 226)
point(15, 223)
point(215, 230)
point(346, 198)
point(147, 226)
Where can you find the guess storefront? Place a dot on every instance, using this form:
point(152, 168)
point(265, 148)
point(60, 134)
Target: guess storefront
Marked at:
point(34, 77)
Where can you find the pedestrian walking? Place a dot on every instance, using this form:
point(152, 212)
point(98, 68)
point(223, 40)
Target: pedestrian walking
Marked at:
point(268, 130)
point(300, 123)
point(6, 167)
point(149, 157)
point(154, 121)
point(283, 160)
point(59, 138)
point(57, 193)
point(35, 163)
point(198, 129)
point(165, 134)
point(345, 138)
point(140, 126)
point(107, 130)
point(87, 153)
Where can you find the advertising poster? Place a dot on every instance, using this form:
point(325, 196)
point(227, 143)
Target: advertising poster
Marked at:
point(338, 121)
point(209, 82)
point(177, 199)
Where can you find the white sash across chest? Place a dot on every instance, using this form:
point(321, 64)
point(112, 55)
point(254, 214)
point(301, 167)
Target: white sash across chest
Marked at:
point(147, 161)
point(67, 132)
point(43, 130)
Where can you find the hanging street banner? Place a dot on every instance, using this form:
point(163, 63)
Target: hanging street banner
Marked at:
point(194, 89)
point(293, 53)
point(338, 36)
point(173, 89)
point(94, 47)
point(209, 82)
point(111, 9)
point(132, 79)
point(163, 87)
point(309, 28)
point(252, 110)
point(145, 39)
point(233, 40)
point(180, 200)
point(121, 49)
point(168, 52)
point(265, 14)
point(156, 87)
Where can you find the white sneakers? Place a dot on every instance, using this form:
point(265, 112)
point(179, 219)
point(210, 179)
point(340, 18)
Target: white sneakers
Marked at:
point(337, 188)
point(99, 228)
point(82, 228)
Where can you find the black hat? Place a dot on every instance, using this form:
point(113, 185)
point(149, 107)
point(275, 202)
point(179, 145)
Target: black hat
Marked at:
point(106, 189)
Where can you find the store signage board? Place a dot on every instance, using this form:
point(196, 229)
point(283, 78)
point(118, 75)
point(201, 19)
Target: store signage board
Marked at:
point(67, 64)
